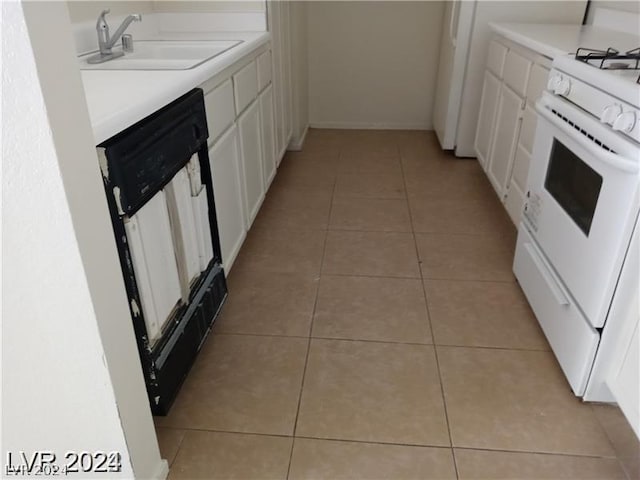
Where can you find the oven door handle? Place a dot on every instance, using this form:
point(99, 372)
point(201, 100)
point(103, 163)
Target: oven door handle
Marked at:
point(613, 159)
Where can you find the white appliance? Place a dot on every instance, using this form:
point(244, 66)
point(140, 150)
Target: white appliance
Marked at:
point(583, 200)
point(463, 52)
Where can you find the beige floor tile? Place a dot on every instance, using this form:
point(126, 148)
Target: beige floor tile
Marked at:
point(478, 214)
point(317, 172)
point(466, 257)
point(379, 142)
point(482, 314)
point(376, 392)
point(266, 303)
point(362, 162)
point(169, 441)
point(370, 185)
point(214, 455)
point(331, 460)
point(295, 209)
point(242, 383)
point(516, 400)
point(448, 179)
point(624, 440)
point(387, 254)
point(282, 251)
point(370, 214)
point(323, 141)
point(479, 464)
point(364, 308)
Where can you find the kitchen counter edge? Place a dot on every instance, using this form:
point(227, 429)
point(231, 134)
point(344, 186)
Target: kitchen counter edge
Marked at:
point(117, 99)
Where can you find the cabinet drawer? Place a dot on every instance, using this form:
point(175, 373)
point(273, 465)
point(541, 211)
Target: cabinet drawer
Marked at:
point(528, 130)
point(516, 72)
point(220, 110)
point(537, 83)
point(245, 84)
point(264, 70)
point(495, 58)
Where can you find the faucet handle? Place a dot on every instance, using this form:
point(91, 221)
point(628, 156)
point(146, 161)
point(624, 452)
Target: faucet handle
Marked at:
point(102, 22)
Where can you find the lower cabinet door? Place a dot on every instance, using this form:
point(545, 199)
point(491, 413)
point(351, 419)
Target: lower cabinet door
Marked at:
point(507, 130)
point(251, 154)
point(268, 136)
point(486, 117)
point(228, 190)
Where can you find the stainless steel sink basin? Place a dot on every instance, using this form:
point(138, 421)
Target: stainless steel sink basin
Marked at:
point(163, 55)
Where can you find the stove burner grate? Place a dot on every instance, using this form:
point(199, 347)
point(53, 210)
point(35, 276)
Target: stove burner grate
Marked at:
point(610, 59)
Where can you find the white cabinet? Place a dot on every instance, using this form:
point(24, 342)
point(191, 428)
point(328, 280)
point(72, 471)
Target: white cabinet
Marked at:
point(228, 190)
point(280, 28)
point(513, 81)
point(251, 154)
point(241, 113)
point(505, 138)
point(268, 136)
point(220, 110)
point(485, 128)
point(245, 86)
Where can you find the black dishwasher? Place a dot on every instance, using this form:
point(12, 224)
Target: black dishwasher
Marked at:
point(139, 167)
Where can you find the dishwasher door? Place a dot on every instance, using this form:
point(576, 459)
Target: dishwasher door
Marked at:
point(159, 190)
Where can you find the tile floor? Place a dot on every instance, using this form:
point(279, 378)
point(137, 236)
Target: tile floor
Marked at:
point(374, 330)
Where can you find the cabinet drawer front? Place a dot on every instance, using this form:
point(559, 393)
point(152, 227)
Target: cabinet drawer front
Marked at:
point(220, 110)
point(537, 83)
point(495, 58)
point(245, 84)
point(264, 70)
point(516, 72)
point(528, 131)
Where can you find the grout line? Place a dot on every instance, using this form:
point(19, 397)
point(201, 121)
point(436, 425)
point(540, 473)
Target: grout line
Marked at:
point(391, 342)
point(556, 454)
point(306, 361)
point(435, 350)
point(378, 442)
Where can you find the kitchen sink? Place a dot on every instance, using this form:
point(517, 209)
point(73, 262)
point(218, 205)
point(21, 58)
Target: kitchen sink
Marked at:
point(163, 55)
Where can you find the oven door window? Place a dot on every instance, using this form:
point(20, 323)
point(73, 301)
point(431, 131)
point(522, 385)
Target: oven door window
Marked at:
point(574, 185)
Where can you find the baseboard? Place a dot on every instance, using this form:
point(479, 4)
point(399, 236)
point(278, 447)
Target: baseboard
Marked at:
point(297, 144)
point(162, 471)
point(371, 126)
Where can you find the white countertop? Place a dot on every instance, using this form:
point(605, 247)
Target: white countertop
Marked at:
point(117, 99)
point(553, 40)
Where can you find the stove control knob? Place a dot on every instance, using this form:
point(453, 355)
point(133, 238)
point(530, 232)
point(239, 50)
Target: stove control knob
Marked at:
point(563, 87)
point(554, 80)
point(610, 113)
point(625, 122)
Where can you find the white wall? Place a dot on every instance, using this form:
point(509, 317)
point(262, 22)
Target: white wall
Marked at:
point(373, 64)
point(81, 11)
point(299, 74)
point(75, 382)
point(202, 6)
point(624, 6)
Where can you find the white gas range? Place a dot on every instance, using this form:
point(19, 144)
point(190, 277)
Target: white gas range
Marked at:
point(583, 200)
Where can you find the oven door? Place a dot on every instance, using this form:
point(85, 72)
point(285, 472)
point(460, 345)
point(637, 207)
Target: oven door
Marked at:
point(582, 200)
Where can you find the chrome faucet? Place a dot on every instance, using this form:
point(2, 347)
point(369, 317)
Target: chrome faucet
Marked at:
point(105, 41)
